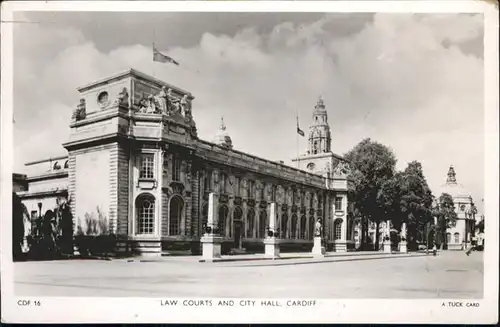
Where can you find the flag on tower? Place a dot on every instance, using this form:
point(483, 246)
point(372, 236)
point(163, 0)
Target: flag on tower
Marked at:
point(160, 57)
point(299, 131)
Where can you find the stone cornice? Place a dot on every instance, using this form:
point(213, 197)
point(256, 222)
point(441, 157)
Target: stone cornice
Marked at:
point(102, 115)
point(137, 75)
point(49, 175)
point(36, 194)
point(93, 141)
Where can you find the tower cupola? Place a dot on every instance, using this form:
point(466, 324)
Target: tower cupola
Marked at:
point(222, 137)
point(319, 131)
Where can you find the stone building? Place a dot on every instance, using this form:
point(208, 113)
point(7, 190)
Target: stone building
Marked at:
point(459, 236)
point(134, 155)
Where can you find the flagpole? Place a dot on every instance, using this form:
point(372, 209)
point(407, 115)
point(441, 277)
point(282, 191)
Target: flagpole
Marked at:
point(297, 132)
point(154, 38)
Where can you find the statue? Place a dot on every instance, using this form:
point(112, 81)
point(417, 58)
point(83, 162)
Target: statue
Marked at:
point(80, 112)
point(151, 105)
point(185, 106)
point(403, 231)
point(122, 98)
point(342, 169)
point(318, 228)
point(162, 100)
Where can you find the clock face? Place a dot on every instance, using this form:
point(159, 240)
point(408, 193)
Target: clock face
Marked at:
point(103, 99)
point(311, 166)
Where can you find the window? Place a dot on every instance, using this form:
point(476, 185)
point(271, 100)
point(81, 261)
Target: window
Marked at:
point(284, 225)
point(294, 226)
point(237, 214)
point(311, 228)
point(448, 238)
point(223, 182)
point(175, 216)
point(250, 189)
point(56, 166)
point(303, 224)
point(147, 166)
point(206, 183)
point(251, 222)
point(457, 237)
point(66, 164)
point(145, 214)
point(236, 187)
point(337, 229)
point(262, 224)
point(338, 203)
point(223, 211)
point(176, 169)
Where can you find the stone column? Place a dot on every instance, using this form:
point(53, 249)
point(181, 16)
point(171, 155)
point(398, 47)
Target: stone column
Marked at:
point(387, 244)
point(211, 240)
point(402, 244)
point(272, 249)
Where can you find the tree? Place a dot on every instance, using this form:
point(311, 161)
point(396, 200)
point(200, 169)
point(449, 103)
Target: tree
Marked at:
point(446, 218)
point(19, 212)
point(372, 164)
point(416, 201)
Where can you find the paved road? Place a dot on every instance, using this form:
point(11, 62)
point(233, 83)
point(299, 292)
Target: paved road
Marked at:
point(449, 275)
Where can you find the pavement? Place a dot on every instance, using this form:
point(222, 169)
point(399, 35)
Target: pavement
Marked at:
point(365, 275)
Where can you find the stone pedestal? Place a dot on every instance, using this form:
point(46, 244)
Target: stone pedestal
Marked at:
point(402, 247)
point(387, 246)
point(272, 248)
point(211, 247)
point(318, 250)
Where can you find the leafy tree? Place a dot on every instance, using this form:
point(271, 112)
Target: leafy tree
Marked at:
point(19, 211)
point(416, 201)
point(372, 164)
point(446, 218)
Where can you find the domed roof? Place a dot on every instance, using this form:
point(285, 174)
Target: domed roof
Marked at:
point(222, 137)
point(319, 107)
point(456, 190)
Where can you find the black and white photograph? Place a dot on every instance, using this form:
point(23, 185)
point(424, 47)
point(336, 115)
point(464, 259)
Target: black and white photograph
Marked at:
point(224, 162)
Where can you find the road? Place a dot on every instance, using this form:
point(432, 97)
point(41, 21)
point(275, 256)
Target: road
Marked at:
point(449, 275)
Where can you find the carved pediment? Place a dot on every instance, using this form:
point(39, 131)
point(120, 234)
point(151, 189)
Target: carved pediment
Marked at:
point(341, 170)
point(177, 187)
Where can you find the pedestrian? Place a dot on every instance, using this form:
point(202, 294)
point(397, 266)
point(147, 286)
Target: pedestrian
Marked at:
point(434, 250)
point(469, 250)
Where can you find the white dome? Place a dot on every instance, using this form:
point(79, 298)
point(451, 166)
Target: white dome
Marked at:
point(456, 190)
point(222, 137)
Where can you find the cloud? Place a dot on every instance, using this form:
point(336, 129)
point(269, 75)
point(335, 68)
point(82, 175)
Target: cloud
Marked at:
point(403, 80)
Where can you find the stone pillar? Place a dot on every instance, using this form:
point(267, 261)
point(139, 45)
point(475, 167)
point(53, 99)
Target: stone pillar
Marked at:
point(403, 245)
point(211, 240)
point(272, 249)
point(387, 243)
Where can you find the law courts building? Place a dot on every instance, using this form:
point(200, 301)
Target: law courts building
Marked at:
point(134, 153)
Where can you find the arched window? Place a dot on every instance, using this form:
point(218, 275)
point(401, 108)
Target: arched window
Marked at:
point(303, 224)
point(237, 215)
point(262, 224)
point(145, 205)
point(204, 218)
point(66, 164)
point(457, 237)
point(337, 229)
point(56, 166)
point(175, 216)
point(448, 238)
point(223, 211)
point(311, 227)
point(294, 226)
point(250, 222)
point(284, 225)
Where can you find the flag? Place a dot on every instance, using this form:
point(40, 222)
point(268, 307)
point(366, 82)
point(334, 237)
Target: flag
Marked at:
point(160, 57)
point(299, 131)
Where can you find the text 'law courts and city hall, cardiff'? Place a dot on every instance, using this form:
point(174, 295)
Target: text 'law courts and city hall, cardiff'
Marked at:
point(134, 158)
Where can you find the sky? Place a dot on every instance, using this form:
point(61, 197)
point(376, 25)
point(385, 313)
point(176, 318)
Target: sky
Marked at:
point(411, 82)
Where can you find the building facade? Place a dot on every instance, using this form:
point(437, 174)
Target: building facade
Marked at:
point(459, 235)
point(134, 156)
